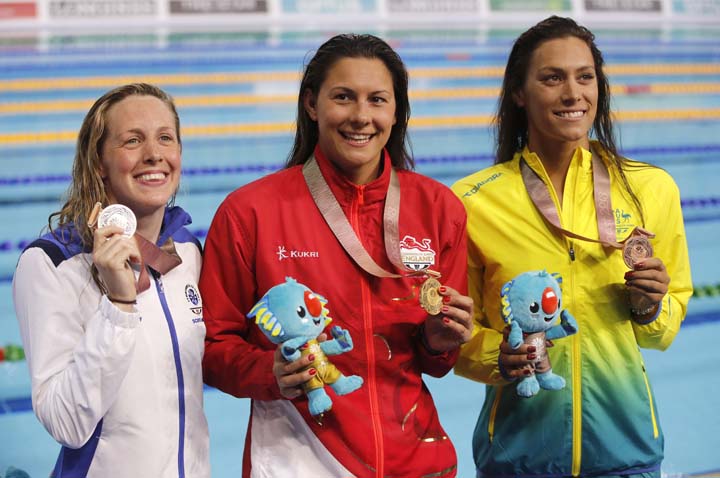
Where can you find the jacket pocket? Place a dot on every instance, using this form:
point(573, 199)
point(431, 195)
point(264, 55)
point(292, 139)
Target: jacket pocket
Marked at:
point(493, 412)
point(656, 433)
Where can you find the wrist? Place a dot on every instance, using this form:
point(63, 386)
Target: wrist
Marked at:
point(424, 342)
point(503, 371)
point(124, 304)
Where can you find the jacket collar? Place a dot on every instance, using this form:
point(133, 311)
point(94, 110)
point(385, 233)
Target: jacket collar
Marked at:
point(345, 190)
point(582, 159)
point(175, 219)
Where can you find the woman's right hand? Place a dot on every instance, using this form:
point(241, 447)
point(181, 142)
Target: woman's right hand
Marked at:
point(112, 255)
point(515, 363)
point(290, 376)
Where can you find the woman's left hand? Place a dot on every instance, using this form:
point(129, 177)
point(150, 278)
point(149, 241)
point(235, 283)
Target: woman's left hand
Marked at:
point(453, 326)
point(647, 283)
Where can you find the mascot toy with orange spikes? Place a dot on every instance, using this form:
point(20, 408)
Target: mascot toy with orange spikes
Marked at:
point(292, 315)
point(531, 305)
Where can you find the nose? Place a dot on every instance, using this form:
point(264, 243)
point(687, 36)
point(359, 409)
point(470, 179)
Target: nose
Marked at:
point(549, 301)
point(361, 113)
point(312, 303)
point(153, 152)
point(571, 93)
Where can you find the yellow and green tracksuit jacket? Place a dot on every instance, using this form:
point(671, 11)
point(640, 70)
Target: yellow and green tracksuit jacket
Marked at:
point(605, 420)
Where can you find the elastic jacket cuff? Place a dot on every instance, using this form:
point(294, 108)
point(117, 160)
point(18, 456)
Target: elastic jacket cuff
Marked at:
point(117, 317)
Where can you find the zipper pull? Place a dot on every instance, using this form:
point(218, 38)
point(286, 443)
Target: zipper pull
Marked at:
point(572, 253)
point(156, 276)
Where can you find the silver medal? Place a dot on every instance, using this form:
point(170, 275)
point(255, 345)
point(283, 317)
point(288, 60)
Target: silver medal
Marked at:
point(120, 216)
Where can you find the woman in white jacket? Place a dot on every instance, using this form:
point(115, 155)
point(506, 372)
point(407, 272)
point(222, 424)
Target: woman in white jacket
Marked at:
point(112, 322)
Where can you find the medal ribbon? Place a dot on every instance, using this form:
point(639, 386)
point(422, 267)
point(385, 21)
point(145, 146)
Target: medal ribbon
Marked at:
point(540, 195)
point(162, 259)
point(343, 231)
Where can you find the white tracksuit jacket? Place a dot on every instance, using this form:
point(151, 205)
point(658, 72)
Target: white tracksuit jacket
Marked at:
point(122, 392)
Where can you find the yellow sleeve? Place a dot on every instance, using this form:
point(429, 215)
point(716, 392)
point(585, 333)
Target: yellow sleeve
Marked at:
point(669, 245)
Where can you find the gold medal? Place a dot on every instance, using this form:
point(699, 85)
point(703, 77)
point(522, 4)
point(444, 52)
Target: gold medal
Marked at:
point(430, 299)
point(635, 249)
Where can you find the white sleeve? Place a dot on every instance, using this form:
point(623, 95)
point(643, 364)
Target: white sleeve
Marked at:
point(77, 358)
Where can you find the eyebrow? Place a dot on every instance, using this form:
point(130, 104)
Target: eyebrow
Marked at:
point(347, 88)
point(561, 69)
point(141, 131)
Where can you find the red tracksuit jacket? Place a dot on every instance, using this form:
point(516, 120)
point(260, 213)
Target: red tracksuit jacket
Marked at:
point(270, 229)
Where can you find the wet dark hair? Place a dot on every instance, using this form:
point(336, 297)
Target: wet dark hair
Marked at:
point(352, 45)
point(511, 119)
point(511, 124)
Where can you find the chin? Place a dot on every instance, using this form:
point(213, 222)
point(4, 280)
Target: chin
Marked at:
point(150, 207)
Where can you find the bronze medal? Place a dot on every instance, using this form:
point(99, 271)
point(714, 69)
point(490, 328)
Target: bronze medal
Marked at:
point(430, 299)
point(635, 249)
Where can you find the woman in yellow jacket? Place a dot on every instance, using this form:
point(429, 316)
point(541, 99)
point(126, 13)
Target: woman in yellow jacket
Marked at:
point(557, 200)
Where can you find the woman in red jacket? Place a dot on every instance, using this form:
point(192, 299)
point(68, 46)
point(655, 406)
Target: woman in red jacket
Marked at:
point(349, 219)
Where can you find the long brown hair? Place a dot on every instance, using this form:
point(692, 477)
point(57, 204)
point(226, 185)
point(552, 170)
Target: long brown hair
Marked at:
point(353, 46)
point(511, 124)
point(87, 186)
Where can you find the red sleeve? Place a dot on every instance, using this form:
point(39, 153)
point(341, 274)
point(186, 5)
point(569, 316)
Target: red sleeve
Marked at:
point(233, 361)
point(453, 267)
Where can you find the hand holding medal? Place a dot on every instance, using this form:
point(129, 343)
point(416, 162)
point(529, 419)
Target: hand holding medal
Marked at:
point(647, 282)
point(114, 250)
point(450, 320)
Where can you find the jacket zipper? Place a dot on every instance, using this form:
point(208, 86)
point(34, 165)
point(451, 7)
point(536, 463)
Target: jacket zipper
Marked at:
point(366, 296)
point(576, 358)
point(178, 371)
point(656, 433)
point(576, 399)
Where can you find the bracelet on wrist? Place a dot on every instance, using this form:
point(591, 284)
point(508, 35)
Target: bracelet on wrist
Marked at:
point(424, 343)
point(643, 312)
point(122, 301)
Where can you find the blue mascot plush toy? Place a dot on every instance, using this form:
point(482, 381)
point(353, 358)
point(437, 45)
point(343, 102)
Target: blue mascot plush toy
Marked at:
point(292, 315)
point(531, 306)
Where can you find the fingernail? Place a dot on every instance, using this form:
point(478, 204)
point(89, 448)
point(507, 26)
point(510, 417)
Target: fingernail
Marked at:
point(526, 372)
point(531, 348)
point(446, 298)
point(446, 320)
point(628, 274)
point(639, 264)
point(312, 371)
point(445, 309)
point(311, 357)
point(442, 289)
point(531, 356)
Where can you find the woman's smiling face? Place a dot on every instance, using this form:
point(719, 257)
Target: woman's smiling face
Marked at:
point(140, 157)
point(355, 113)
point(560, 93)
